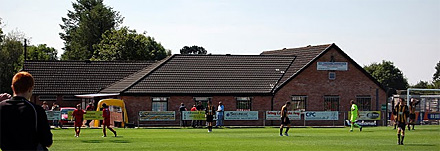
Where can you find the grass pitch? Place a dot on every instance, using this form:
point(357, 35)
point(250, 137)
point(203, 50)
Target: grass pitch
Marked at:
point(247, 139)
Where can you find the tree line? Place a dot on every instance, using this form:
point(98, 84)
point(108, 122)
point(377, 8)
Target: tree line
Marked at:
point(94, 31)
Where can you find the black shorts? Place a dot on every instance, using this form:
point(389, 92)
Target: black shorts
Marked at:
point(285, 120)
point(209, 118)
point(412, 116)
point(401, 125)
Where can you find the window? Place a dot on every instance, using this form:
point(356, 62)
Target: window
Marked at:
point(244, 103)
point(160, 104)
point(331, 103)
point(204, 101)
point(331, 75)
point(47, 98)
point(70, 98)
point(363, 102)
point(299, 102)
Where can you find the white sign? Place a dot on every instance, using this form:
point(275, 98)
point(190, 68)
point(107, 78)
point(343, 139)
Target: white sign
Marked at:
point(325, 115)
point(53, 115)
point(341, 66)
point(157, 115)
point(276, 115)
point(241, 115)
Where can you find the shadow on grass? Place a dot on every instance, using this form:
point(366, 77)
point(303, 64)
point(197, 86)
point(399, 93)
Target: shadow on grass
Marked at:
point(92, 141)
point(119, 141)
point(419, 145)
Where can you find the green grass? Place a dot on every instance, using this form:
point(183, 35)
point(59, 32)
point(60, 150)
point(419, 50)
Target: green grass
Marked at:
point(247, 139)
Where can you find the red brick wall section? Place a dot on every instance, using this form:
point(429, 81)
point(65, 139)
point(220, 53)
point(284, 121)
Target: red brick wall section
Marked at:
point(315, 84)
point(143, 103)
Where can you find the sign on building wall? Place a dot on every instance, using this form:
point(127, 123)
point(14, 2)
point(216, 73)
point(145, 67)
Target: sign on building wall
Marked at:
point(367, 115)
point(241, 115)
point(339, 66)
point(53, 115)
point(434, 116)
point(323, 115)
point(93, 115)
point(193, 115)
point(157, 115)
point(276, 115)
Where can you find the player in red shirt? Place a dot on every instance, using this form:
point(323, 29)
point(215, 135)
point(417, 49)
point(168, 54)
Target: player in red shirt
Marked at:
point(78, 115)
point(106, 123)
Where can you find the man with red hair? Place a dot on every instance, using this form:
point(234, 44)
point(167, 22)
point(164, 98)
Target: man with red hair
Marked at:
point(23, 124)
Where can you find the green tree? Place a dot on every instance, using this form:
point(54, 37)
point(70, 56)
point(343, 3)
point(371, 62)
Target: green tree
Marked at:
point(41, 52)
point(11, 56)
point(388, 75)
point(436, 76)
point(422, 85)
point(83, 27)
point(126, 44)
point(1, 31)
point(193, 50)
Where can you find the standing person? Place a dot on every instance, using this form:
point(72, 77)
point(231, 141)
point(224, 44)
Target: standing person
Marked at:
point(285, 121)
point(23, 124)
point(412, 113)
point(182, 108)
point(193, 122)
point(55, 107)
point(354, 115)
point(78, 115)
point(401, 111)
point(209, 114)
point(45, 106)
point(220, 114)
point(200, 108)
point(106, 123)
point(89, 107)
point(4, 96)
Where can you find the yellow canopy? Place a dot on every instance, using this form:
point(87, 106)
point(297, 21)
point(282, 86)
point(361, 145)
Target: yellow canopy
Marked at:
point(113, 102)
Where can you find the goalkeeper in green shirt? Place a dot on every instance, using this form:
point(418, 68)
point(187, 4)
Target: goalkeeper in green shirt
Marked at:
point(354, 115)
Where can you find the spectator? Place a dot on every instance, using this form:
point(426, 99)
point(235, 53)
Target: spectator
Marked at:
point(55, 107)
point(220, 114)
point(45, 106)
point(182, 108)
point(89, 107)
point(194, 122)
point(4, 96)
point(23, 124)
point(200, 108)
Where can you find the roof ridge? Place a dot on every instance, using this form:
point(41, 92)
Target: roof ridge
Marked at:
point(132, 80)
point(308, 46)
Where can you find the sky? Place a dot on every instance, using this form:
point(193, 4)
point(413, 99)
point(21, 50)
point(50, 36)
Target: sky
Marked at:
point(405, 32)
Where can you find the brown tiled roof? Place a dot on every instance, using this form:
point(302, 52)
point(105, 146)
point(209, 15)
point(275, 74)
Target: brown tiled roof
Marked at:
point(78, 77)
point(304, 56)
point(130, 80)
point(213, 74)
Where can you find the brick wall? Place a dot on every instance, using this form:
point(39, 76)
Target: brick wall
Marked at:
point(316, 84)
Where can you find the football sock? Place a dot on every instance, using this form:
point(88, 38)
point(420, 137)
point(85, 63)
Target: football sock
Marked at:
point(401, 140)
point(287, 129)
point(351, 126)
point(398, 138)
point(281, 130)
point(355, 124)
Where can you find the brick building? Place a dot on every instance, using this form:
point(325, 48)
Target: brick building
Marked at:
point(305, 76)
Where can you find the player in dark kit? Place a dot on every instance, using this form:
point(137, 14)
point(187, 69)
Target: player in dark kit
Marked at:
point(412, 113)
point(285, 121)
point(209, 114)
point(401, 112)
